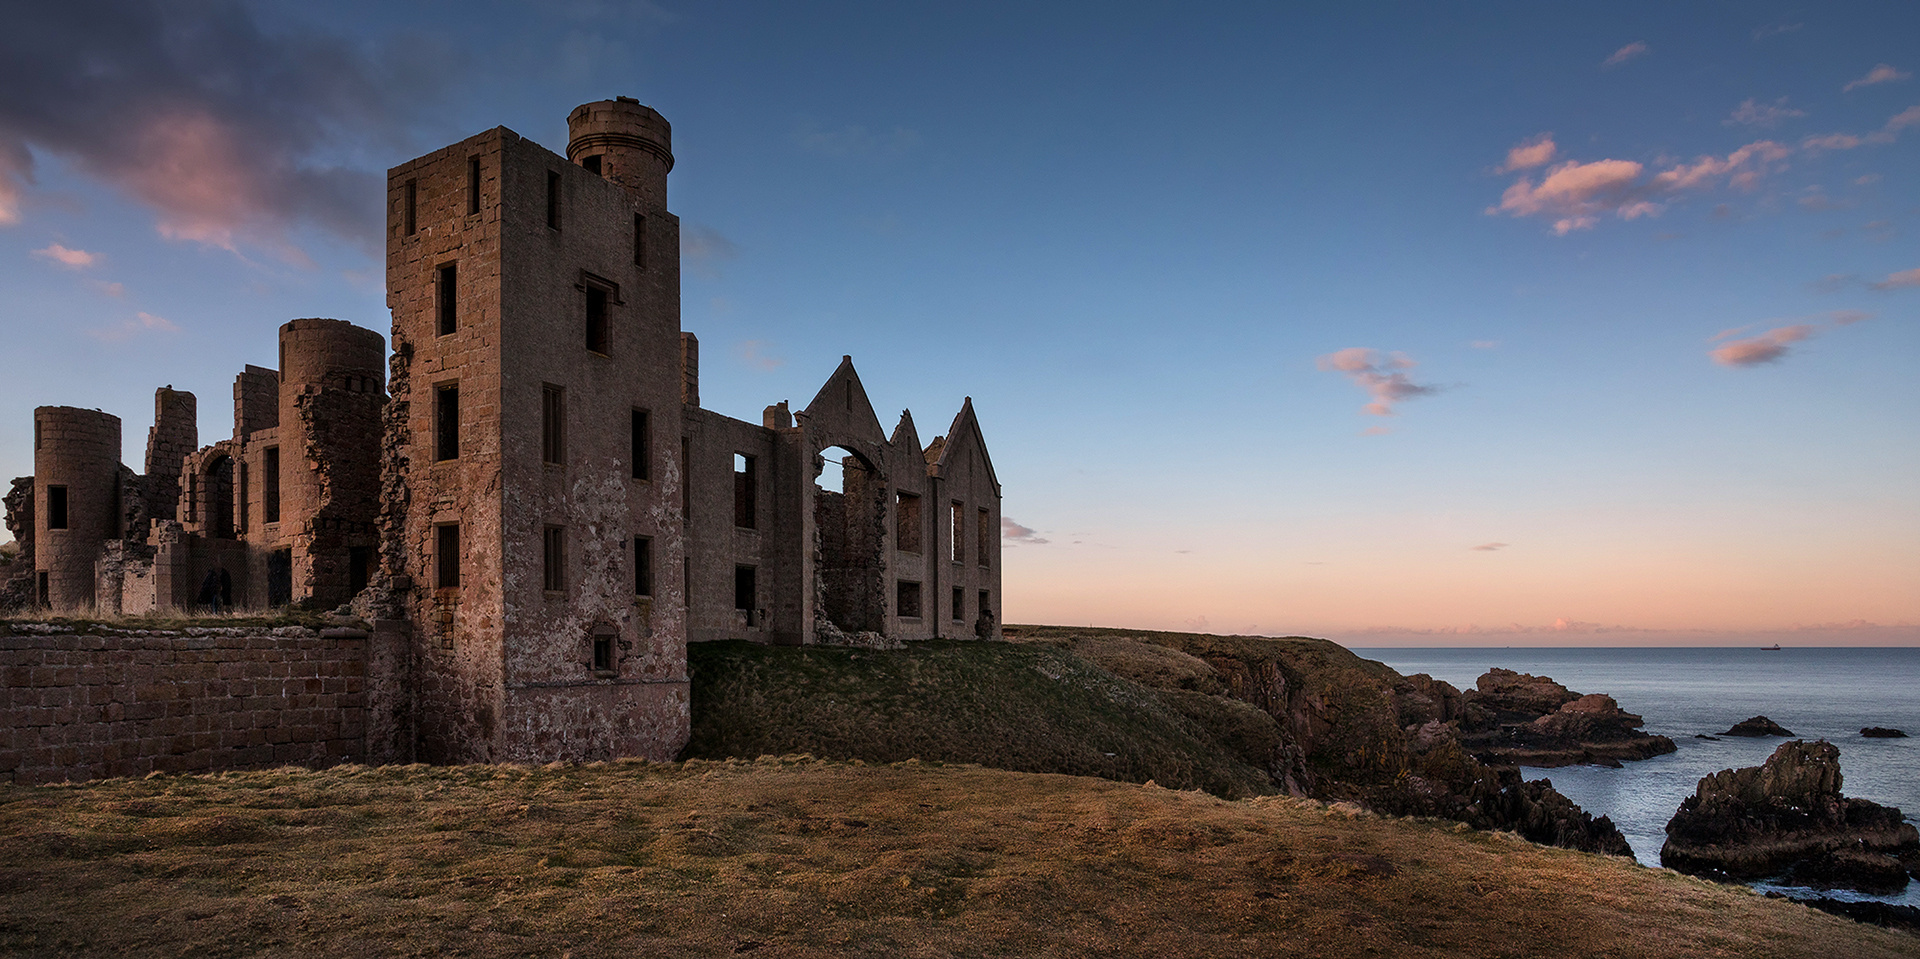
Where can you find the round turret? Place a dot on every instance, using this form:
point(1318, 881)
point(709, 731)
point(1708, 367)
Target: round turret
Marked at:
point(630, 144)
point(76, 492)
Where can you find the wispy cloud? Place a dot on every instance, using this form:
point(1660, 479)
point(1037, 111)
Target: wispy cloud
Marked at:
point(1834, 282)
point(755, 353)
point(1756, 114)
point(1575, 195)
point(71, 259)
point(1632, 51)
point(1384, 378)
point(1768, 347)
point(1849, 317)
point(1488, 547)
point(1538, 151)
point(115, 290)
point(1774, 30)
point(133, 326)
point(1884, 73)
point(703, 249)
point(855, 140)
point(1900, 280)
point(1847, 141)
point(1013, 532)
point(1484, 344)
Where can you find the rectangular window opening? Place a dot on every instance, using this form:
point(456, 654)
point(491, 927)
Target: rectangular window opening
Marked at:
point(553, 424)
point(642, 445)
point(602, 651)
point(639, 241)
point(686, 488)
point(448, 292)
point(359, 568)
point(743, 588)
point(56, 507)
point(983, 538)
point(473, 185)
point(446, 556)
point(597, 323)
point(745, 491)
point(409, 209)
point(958, 532)
point(591, 164)
point(553, 559)
point(642, 566)
point(907, 596)
point(907, 523)
point(553, 200)
point(959, 603)
point(446, 422)
point(270, 484)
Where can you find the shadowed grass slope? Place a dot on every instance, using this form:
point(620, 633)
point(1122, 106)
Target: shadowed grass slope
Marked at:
point(803, 858)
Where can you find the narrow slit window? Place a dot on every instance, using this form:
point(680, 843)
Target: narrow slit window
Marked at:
point(959, 603)
point(642, 445)
point(410, 209)
point(958, 532)
point(907, 599)
point(553, 424)
point(449, 297)
point(686, 488)
point(907, 524)
point(270, 484)
point(473, 185)
point(983, 537)
point(553, 200)
point(56, 507)
point(642, 566)
point(597, 320)
point(744, 588)
point(446, 422)
point(553, 558)
point(446, 556)
point(745, 490)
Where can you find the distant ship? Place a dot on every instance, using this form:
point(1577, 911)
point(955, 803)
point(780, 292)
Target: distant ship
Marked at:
point(1771, 649)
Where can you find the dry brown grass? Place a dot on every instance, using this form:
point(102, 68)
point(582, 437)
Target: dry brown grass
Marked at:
point(787, 858)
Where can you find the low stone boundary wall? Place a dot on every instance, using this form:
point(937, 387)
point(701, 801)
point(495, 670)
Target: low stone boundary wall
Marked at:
point(76, 707)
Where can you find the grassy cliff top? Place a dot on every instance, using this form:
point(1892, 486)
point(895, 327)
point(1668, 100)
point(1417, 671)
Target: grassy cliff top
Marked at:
point(802, 858)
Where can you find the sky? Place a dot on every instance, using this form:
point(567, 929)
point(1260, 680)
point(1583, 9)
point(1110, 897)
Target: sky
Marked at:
point(1397, 323)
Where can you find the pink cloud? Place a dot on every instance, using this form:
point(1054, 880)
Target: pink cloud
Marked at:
point(1749, 159)
point(137, 324)
point(1895, 281)
point(1765, 348)
point(1849, 317)
point(1577, 194)
point(1384, 379)
point(1538, 151)
point(1488, 547)
point(1905, 118)
point(1013, 532)
point(1883, 73)
point(16, 170)
point(755, 353)
point(1631, 51)
point(72, 259)
point(1756, 114)
point(1887, 133)
point(1376, 431)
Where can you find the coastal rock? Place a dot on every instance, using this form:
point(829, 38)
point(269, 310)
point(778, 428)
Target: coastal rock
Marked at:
point(1511, 695)
point(1788, 816)
point(1525, 720)
point(1882, 732)
point(1756, 727)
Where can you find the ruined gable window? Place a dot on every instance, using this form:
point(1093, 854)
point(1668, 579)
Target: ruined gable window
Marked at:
point(553, 557)
point(448, 291)
point(745, 490)
point(642, 445)
point(56, 507)
point(553, 200)
point(744, 588)
point(446, 556)
point(906, 519)
point(598, 332)
point(907, 596)
point(446, 422)
point(983, 537)
point(553, 424)
point(959, 603)
point(270, 484)
point(409, 212)
point(642, 566)
point(639, 241)
point(473, 185)
point(958, 539)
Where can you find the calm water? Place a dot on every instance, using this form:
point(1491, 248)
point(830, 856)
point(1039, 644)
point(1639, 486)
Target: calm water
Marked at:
point(1818, 693)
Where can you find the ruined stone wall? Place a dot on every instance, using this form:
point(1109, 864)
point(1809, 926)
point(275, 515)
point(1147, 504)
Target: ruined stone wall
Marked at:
point(332, 389)
point(717, 545)
point(963, 474)
point(17, 588)
point(175, 434)
point(256, 400)
point(78, 707)
point(78, 451)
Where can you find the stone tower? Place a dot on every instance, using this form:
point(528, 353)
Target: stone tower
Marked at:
point(533, 500)
point(76, 494)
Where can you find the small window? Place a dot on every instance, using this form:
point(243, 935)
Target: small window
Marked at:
point(603, 650)
point(907, 522)
point(743, 588)
point(449, 297)
point(56, 507)
point(553, 424)
point(270, 484)
point(642, 445)
point(553, 556)
point(959, 603)
point(359, 568)
point(446, 422)
point(983, 537)
point(409, 212)
point(592, 164)
point(986, 604)
point(908, 595)
point(745, 490)
point(553, 200)
point(958, 531)
point(639, 241)
point(446, 556)
point(597, 322)
point(642, 566)
point(473, 185)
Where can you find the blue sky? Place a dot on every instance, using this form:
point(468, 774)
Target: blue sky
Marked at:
point(1628, 288)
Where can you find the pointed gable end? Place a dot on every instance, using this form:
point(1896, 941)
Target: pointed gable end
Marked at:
point(841, 411)
point(964, 435)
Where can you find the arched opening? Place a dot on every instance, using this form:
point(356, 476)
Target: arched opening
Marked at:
point(850, 520)
point(219, 493)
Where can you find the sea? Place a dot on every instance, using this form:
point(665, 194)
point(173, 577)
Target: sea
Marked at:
point(1683, 692)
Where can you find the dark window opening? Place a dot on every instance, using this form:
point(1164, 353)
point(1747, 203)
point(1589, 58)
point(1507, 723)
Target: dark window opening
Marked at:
point(642, 566)
point(908, 595)
point(743, 588)
point(42, 595)
point(36, 436)
point(592, 164)
point(958, 537)
point(553, 200)
point(446, 422)
point(280, 577)
point(983, 538)
point(553, 424)
point(553, 555)
point(639, 241)
point(270, 484)
point(410, 211)
point(959, 603)
point(245, 489)
point(446, 556)
point(907, 523)
point(602, 645)
point(986, 604)
point(359, 567)
point(56, 507)
point(449, 297)
point(686, 488)
point(744, 490)
point(220, 498)
point(473, 185)
point(597, 331)
point(642, 445)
